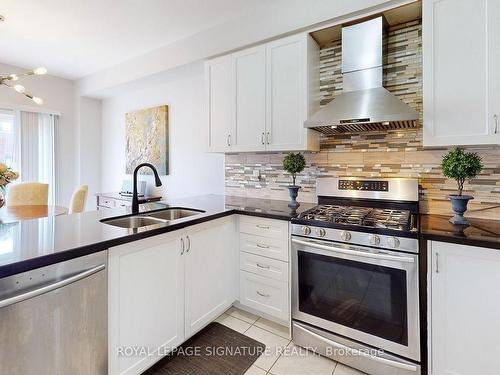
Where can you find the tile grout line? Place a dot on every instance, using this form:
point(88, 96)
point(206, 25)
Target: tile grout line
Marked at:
point(253, 324)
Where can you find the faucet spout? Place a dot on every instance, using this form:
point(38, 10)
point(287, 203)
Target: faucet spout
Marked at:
point(135, 197)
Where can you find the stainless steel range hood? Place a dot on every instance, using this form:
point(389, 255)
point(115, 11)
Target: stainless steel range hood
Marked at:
point(364, 104)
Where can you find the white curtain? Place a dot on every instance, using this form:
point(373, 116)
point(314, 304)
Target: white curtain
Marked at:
point(36, 157)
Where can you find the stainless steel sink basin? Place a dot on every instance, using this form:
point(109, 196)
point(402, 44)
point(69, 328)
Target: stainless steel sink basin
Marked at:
point(151, 218)
point(133, 221)
point(173, 213)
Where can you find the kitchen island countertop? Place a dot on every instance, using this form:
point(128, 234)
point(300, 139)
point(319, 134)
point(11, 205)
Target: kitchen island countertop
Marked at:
point(31, 244)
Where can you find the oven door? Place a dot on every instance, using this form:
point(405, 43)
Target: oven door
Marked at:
point(369, 295)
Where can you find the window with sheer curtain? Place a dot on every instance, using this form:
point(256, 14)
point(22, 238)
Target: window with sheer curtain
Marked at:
point(27, 143)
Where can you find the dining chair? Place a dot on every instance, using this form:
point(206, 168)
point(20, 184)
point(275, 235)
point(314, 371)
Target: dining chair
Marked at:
point(78, 199)
point(28, 194)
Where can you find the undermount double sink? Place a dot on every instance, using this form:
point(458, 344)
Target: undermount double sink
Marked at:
point(151, 218)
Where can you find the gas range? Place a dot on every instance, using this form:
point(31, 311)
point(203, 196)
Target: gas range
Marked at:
point(375, 213)
point(355, 268)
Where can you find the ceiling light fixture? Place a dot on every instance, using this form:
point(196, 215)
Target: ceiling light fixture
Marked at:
point(7, 81)
point(2, 18)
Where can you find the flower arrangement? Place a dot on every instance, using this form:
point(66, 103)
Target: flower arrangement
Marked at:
point(7, 175)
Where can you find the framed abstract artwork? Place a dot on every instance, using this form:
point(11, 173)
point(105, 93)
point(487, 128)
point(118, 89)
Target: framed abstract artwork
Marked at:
point(147, 139)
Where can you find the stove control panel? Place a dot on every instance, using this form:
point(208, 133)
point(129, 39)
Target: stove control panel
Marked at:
point(365, 185)
point(372, 240)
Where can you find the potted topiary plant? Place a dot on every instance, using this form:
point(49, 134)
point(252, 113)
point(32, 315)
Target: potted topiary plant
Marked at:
point(293, 164)
point(460, 166)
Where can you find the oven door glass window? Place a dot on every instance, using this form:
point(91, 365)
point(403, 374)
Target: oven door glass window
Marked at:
point(362, 296)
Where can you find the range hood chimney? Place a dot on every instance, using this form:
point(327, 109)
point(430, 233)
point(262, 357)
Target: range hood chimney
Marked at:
point(364, 104)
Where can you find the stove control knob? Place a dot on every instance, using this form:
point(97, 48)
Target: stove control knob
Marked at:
point(320, 232)
point(306, 230)
point(393, 242)
point(345, 235)
point(374, 239)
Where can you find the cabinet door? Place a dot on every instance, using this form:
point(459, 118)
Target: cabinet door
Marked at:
point(286, 93)
point(146, 301)
point(465, 306)
point(219, 75)
point(210, 273)
point(250, 79)
point(494, 67)
point(458, 86)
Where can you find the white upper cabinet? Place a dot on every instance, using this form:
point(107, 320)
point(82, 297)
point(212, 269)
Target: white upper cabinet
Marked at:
point(267, 93)
point(461, 74)
point(250, 80)
point(464, 304)
point(292, 93)
point(220, 93)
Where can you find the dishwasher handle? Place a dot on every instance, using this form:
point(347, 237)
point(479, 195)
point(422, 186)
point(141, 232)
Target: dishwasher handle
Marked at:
point(48, 288)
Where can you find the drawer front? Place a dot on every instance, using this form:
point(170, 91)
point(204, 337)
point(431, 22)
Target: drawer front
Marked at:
point(274, 269)
point(265, 246)
point(123, 203)
point(270, 228)
point(265, 295)
point(107, 202)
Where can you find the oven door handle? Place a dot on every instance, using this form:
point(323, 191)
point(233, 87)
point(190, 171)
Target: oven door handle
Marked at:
point(347, 349)
point(364, 254)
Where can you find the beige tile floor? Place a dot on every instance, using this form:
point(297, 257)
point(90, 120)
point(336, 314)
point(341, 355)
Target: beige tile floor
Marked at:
point(283, 358)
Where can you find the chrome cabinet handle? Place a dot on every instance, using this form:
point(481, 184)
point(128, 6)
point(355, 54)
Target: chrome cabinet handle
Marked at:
point(229, 140)
point(262, 294)
point(182, 246)
point(262, 139)
point(262, 246)
point(437, 262)
point(189, 244)
point(262, 226)
point(268, 138)
point(496, 123)
point(261, 266)
point(50, 287)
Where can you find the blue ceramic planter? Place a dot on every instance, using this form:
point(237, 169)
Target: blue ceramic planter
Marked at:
point(294, 191)
point(459, 206)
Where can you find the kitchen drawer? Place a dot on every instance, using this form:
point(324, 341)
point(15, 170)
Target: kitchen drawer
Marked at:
point(264, 294)
point(107, 202)
point(265, 246)
point(274, 269)
point(270, 228)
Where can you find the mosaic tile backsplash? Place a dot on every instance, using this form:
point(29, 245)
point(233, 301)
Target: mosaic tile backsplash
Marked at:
point(374, 154)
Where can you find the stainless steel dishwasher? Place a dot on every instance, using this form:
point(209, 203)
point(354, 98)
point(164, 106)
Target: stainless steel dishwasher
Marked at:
point(53, 320)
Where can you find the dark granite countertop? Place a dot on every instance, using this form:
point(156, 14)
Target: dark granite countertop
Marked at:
point(480, 232)
point(30, 244)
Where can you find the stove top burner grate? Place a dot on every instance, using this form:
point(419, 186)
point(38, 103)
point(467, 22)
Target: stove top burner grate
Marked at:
point(362, 216)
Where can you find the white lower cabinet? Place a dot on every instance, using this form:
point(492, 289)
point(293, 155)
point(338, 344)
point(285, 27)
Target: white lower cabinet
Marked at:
point(264, 266)
point(264, 294)
point(210, 281)
point(464, 306)
point(165, 288)
point(146, 301)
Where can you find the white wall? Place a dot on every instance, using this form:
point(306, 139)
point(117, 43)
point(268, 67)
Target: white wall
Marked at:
point(192, 170)
point(271, 20)
point(58, 95)
point(89, 147)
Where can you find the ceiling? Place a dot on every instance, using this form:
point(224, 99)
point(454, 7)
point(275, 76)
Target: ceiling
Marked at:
point(74, 38)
